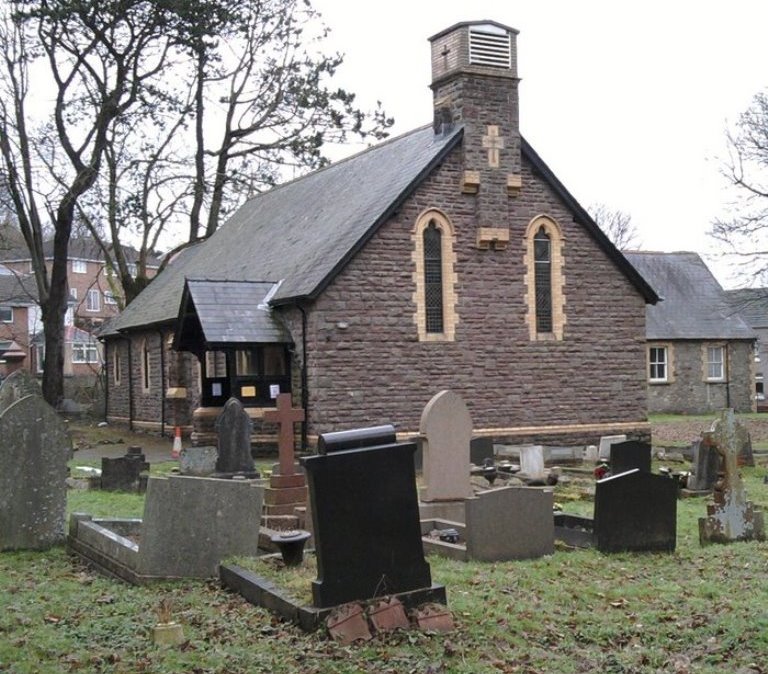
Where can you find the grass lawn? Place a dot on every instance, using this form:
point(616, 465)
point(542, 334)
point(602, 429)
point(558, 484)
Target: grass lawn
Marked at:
point(697, 610)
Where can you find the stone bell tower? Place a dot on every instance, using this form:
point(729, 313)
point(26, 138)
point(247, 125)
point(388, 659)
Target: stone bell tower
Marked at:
point(475, 83)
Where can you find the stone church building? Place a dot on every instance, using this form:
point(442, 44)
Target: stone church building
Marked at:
point(450, 257)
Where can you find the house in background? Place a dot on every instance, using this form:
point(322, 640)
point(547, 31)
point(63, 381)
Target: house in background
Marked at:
point(448, 258)
point(700, 352)
point(752, 305)
point(18, 314)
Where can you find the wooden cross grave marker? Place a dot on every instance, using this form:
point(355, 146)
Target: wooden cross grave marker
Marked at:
point(286, 417)
point(493, 142)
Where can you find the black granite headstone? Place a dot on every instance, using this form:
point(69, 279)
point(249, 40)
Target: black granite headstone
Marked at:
point(125, 473)
point(630, 455)
point(480, 449)
point(635, 511)
point(366, 524)
point(358, 438)
point(233, 427)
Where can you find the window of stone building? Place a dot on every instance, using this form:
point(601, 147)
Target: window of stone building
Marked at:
point(79, 267)
point(145, 365)
point(657, 364)
point(117, 365)
point(544, 279)
point(6, 314)
point(715, 363)
point(434, 277)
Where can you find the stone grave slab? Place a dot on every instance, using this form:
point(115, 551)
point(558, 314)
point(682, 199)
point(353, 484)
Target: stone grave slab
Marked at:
point(499, 525)
point(532, 461)
point(17, 385)
point(34, 449)
point(629, 455)
point(446, 430)
point(125, 473)
point(366, 524)
point(190, 524)
point(730, 517)
point(604, 448)
point(233, 428)
point(198, 461)
point(706, 464)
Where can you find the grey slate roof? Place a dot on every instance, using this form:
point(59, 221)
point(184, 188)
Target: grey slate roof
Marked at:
point(751, 304)
point(694, 304)
point(302, 233)
point(234, 312)
point(18, 290)
point(82, 248)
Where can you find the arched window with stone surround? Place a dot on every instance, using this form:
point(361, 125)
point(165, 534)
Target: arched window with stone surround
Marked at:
point(434, 277)
point(544, 279)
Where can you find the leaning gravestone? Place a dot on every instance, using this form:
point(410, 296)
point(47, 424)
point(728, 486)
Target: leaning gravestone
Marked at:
point(532, 461)
point(366, 523)
point(18, 385)
point(233, 427)
point(629, 455)
point(706, 464)
point(731, 517)
point(446, 431)
point(34, 449)
point(604, 449)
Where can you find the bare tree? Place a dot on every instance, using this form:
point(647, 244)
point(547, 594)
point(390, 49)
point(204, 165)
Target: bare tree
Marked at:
point(617, 226)
point(99, 58)
point(744, 232)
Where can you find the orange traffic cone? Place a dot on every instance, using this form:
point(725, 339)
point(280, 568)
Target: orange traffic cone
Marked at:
point(176, 452)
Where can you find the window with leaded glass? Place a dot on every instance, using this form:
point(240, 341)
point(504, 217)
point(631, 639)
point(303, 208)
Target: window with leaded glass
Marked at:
point(542, 259)
point(433, 278)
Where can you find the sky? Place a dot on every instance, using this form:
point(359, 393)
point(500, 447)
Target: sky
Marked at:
point(627, 102)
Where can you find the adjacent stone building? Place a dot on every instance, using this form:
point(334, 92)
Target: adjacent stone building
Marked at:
point(700, 351)
point(448, 258)
point(752, 305)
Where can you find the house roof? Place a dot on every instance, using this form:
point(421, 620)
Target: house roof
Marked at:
point(228, 312)
point(751, 304)
point(304, 232)
point(693, 306)
point(18, 290)
point(79, 249)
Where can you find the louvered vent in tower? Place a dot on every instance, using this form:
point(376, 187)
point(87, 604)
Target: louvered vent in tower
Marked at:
point(490, 46)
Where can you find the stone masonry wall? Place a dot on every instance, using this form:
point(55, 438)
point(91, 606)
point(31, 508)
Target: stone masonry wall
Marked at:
point(687, 392)
point(376, 371)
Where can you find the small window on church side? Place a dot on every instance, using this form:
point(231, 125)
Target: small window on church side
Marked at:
point(544, 279)
point(145, 378)
point(117, 366)
point(542, 260)
point(434, 278)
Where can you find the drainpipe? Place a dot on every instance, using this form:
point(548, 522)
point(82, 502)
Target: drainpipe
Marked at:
point(130, 383)
point(163, 387)
point(304, 378)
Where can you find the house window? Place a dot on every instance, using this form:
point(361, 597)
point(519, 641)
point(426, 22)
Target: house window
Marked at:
point(73, 294)
point(79, 267)
point(657, 363)
point(542, 265)
point(715, 363)
point(6, 314)
point(544, 280)
point(109, 297)
point(84, 352)
point(434, 277)
point(93, 300)
point(145, 365)
point(117, 366)
point(39, 357)
point(132, 269)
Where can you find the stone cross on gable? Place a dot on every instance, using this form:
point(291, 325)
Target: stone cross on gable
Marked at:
point(286, 417)
point(493, 142)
